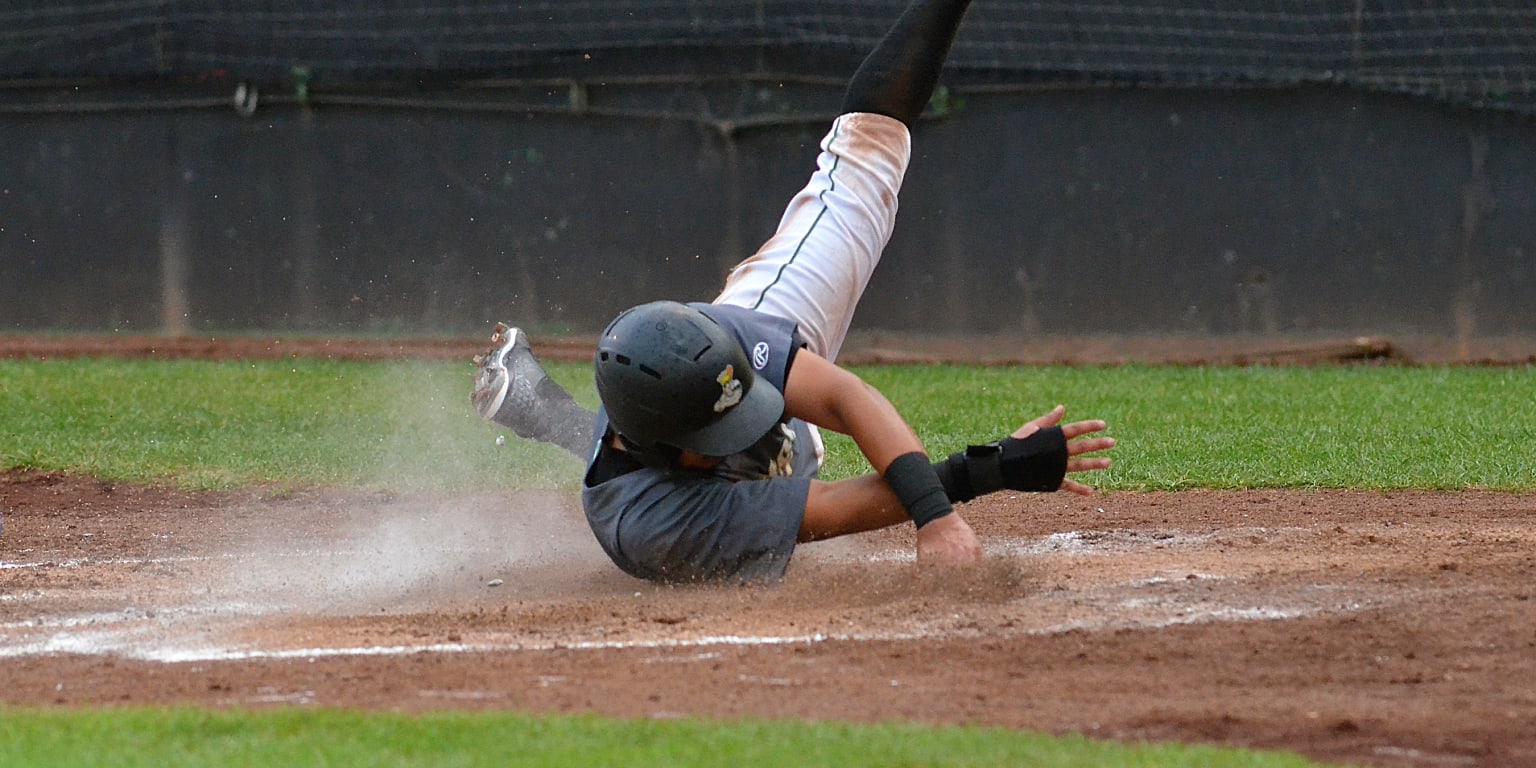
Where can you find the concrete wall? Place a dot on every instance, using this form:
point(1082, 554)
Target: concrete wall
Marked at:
point(1109, 211)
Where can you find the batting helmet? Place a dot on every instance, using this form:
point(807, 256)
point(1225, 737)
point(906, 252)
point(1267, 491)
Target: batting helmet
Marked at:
point(668, 374)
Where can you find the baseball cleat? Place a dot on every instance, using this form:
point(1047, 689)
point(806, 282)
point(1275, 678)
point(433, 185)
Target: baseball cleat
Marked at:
point(491, 374)
point(513, 391)
point(492, 379)
point(510, 385)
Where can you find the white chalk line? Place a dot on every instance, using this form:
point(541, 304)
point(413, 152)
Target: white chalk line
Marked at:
point(104, 642)
point(1199, 616)
point(104, 618)
point(1120, 540)
point(313, 554)
point(1425, 757)
point(137, 633)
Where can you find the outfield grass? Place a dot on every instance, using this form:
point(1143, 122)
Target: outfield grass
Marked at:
point(408, 426)
point(1255, 427)
point(186, 737)
point(404, 426)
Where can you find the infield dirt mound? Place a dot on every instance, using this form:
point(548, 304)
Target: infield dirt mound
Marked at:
point(1383, 629)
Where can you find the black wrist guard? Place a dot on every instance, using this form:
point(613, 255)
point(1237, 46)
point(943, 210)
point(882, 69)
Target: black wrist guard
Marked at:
point(1036, 463)
point(918, 488)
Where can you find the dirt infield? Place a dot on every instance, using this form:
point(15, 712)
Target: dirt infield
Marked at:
point(1391, 629)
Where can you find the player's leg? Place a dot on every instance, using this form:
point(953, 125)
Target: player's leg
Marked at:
point(511, 389)
point(816, 266)
point(897, 78)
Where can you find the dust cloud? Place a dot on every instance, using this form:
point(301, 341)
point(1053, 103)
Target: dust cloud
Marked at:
point(437, 534)
point(403, 553)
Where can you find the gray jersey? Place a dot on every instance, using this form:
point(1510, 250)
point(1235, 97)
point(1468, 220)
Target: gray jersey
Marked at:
point(739, 520)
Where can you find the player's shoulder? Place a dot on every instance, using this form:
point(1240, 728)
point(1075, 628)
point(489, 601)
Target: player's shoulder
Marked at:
point(733, 312)
point(745, 321)
point(770, 342)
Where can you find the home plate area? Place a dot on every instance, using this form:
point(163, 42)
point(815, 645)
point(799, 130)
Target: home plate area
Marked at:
point(1370, 628)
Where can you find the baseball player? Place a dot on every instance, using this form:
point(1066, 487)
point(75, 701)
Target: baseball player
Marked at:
point(702, 460)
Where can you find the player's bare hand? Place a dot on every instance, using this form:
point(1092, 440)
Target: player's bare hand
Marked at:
point(948, 540)
point(1081, 439)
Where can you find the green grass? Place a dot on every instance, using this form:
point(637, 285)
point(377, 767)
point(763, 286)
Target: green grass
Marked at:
point(408, 425)
point(404, 426)
point(185, 737)
point(1181, 427)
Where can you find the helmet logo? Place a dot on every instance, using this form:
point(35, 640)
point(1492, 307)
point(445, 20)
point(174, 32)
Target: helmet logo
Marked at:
point(730, 389)
point(760, 355)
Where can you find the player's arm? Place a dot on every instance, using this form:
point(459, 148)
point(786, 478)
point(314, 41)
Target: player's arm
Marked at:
point(830, 397)
point(866, 503)
point(820, 392)
point(1037, 456)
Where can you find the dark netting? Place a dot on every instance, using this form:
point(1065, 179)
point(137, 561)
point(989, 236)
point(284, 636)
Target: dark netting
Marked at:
point(1479, 52)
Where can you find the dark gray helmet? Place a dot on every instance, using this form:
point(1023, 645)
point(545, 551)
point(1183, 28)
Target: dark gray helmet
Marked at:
point(670, 375)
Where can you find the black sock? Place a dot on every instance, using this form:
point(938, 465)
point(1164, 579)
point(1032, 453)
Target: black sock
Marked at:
point(898, 77)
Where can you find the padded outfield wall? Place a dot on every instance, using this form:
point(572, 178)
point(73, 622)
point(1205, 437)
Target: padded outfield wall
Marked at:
point(1037, 202)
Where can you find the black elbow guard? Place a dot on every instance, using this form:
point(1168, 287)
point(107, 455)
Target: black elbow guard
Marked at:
point(1035, 463)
